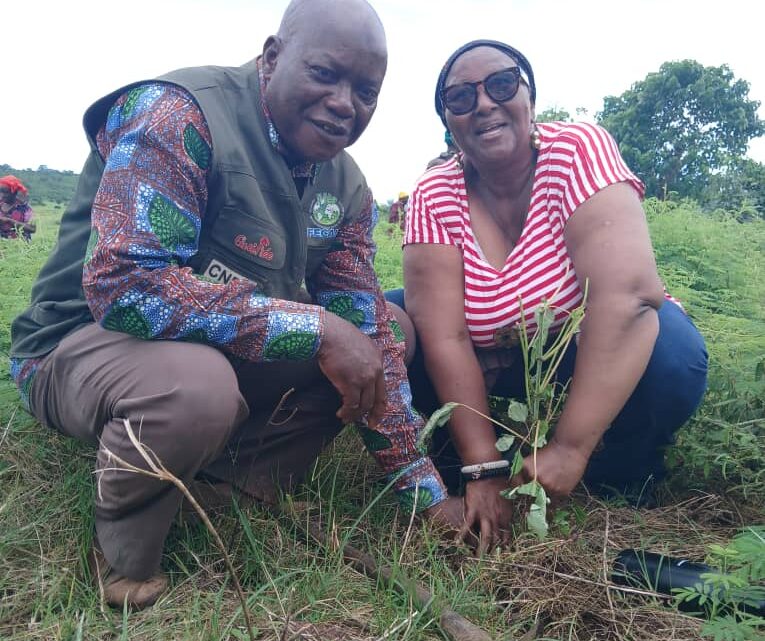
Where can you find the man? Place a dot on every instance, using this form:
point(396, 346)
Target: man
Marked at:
point(397, 212)
point(174, 298)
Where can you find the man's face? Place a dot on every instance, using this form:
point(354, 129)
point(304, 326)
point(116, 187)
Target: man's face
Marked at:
point(323, 87)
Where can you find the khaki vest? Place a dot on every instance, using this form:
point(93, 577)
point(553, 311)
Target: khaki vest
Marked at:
point(256, 226)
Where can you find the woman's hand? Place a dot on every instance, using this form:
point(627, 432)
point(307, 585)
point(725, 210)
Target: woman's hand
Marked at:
point(487, 514)
point(559, 467)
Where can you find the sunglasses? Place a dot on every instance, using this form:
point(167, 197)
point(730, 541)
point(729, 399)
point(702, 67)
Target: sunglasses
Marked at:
point(500, 86)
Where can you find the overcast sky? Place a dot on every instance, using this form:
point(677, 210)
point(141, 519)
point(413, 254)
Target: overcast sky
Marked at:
point(58, 57)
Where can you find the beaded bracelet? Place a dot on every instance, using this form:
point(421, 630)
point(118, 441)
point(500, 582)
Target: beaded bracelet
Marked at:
point(485, 470)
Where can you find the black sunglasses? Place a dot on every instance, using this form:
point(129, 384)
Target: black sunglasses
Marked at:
point(500, 86)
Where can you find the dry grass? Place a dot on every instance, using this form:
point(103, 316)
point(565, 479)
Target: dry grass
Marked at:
point(297, 590)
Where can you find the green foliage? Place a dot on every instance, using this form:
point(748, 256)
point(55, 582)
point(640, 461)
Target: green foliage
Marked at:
point(45, 185)
point(542, 355)
point(728, 595)
point(388, 258)
point(681, 125)
point(739, 189)
point(46, 496)
point(553, 114)
point(714, 266)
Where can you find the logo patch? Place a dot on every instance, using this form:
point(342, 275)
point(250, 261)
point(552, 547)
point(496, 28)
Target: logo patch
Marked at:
point(326, 209)
point(217, 272)
point(261, 249)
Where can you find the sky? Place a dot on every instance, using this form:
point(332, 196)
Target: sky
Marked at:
point(59, 57)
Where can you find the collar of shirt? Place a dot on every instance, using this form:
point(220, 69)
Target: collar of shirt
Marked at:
point(303, 170)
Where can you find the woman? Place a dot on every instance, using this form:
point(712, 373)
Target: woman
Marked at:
point(15, 213)
point(529, 211)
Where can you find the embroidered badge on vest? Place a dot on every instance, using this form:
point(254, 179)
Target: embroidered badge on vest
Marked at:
point(261, 249)
point(326, 210)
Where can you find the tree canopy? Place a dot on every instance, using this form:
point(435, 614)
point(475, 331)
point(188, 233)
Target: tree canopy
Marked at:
point(682, 126)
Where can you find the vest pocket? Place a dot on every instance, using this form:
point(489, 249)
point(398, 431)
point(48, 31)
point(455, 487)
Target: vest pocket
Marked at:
point(250, 240)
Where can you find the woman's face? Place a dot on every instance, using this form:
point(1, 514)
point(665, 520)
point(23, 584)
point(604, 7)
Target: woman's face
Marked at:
point(493, 132)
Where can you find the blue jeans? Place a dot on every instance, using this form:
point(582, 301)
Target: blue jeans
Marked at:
point(632, 451)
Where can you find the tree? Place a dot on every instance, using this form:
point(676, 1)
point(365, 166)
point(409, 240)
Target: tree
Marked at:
point(682, 125)
point(740, 190)
point(553, 114)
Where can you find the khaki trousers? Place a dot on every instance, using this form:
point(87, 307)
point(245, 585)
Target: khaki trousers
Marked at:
point(198, 412)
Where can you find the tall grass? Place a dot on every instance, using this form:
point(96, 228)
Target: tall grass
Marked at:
point(299, 589)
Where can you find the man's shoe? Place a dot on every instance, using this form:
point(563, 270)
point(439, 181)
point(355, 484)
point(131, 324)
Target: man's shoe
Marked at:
point(116, 589)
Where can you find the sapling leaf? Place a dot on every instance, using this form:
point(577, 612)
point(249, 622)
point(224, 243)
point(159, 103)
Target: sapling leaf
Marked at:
point(517, 464)
point(517, 411)
point(437, 419)
point(536, 521)
point(505, 442)
point(532, 488)
point(544, 428)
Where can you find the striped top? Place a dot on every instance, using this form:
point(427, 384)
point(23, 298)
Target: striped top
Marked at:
point(575, 161)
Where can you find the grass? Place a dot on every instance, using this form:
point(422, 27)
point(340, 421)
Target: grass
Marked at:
point(297, 589)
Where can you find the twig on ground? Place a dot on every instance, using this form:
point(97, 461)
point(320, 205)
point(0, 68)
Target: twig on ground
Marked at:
point(279, 407)
point(411, 523)
point(605, 569)
point(456, 627)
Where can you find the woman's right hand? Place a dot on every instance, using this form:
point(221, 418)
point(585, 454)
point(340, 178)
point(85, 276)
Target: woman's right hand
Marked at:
point(487, 514)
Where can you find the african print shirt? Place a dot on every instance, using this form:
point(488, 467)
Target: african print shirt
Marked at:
point(134, 282)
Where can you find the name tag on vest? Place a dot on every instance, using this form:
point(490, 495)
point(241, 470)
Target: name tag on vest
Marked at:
point(219, 273)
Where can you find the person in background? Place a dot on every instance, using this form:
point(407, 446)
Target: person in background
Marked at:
point(174, 298)
point(15, 212)
point(528, 212)
point(397, 212)
point(444, 156)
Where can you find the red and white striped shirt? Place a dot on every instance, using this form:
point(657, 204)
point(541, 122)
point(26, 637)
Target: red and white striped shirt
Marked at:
point(575, 161)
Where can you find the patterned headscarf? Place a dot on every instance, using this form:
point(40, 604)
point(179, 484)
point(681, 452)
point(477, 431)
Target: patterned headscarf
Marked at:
point(526, 72)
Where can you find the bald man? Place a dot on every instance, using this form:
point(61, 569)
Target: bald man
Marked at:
point(213, 286)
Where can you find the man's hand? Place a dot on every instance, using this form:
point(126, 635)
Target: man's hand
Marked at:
point(487, 514)
point(352, 363)
point(559, 468)
point(448, 515)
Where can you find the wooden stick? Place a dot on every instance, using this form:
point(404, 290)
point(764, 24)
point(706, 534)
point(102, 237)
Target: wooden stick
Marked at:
point(456, 627)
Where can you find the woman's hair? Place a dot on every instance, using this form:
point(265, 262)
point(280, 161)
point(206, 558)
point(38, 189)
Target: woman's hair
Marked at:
point(524, 65)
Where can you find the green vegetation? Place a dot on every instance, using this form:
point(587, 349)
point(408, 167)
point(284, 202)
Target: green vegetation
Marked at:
point(685, 126)
point(45, 185)
point(555, 589)
point(731, 593)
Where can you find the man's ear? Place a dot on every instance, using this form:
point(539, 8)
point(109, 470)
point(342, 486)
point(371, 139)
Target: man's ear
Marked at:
point(271, 49)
